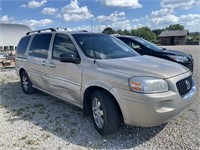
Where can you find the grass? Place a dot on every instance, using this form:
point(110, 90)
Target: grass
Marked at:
point(40, 107)
point(73, 131)
point(7, 112)
point(45, 136)
point(23, 137)
point(31, 142)
point(2, 81)
point(66, 115)
point(28, 141)
point(58, 129)
point(19, 111)
point(74, 123)
point(28, 116)
point(5, 106)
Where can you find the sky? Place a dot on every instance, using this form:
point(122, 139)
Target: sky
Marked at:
point(96, 15)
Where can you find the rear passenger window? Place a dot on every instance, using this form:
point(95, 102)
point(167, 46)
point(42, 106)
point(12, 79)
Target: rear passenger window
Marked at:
point(22, 45)
point(40, 45)
point(63, 45)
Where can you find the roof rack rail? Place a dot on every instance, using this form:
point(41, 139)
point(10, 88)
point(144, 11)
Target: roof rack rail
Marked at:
point(62, 29)
point(38, 31)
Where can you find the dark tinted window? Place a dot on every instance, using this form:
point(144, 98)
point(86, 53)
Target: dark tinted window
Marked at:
point(124, 40)
point(22, 45)
point(148, 44)
point(63, 45)
point(40, 45)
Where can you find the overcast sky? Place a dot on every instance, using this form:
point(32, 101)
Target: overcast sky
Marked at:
point(118, 14)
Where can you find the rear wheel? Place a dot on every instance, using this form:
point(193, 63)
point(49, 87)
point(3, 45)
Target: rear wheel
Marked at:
point(26, 84)
point(105, 112)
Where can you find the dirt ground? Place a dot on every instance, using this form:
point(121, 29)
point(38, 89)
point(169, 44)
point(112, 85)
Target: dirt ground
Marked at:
point(42, 122)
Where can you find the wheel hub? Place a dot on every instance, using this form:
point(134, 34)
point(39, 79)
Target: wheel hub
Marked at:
point(97, 112)
point(24, 82)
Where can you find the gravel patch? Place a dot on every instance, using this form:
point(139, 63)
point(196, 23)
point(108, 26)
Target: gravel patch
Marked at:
point(40, 121)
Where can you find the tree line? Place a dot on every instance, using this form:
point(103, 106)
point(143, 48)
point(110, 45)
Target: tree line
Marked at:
point(151, 35)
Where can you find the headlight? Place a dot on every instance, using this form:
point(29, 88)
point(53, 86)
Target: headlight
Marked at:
point(178, 58)
point(148, 85)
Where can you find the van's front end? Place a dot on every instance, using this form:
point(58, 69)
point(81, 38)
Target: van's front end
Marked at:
point(153, 101)
point(156, 91)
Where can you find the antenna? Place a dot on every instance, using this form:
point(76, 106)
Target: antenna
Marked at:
point(91, 20)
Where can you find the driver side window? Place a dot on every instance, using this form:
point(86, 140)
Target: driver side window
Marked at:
point(62, 45)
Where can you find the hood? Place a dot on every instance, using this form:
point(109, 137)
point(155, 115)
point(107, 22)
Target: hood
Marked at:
point(143, 66)
point(178, 53)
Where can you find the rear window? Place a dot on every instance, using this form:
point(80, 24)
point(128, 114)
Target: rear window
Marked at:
point(40, 45)
point(22, 45)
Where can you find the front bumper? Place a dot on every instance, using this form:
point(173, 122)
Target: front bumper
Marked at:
point(154, 109)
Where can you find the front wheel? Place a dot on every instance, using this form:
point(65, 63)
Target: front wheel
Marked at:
point(26, 84)
point(105, 112)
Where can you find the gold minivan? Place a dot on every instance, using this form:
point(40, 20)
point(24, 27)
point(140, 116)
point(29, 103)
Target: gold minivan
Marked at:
point(103, 76)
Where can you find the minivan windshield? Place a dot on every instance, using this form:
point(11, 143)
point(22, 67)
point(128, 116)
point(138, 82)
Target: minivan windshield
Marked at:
point(101, 46)
point(148, 44)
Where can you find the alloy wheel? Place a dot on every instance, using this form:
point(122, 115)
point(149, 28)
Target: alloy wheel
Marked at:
point(97, 112)
point(25, 82)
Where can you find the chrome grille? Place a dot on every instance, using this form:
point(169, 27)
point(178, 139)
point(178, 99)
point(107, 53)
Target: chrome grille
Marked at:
point(184, 85)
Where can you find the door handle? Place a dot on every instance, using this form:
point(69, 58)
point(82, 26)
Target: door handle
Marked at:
point(52, 65)
point(43, 63)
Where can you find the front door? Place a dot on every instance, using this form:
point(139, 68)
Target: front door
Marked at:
point(64, 78)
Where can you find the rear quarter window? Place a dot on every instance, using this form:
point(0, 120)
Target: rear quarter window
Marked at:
point(40, 45)
point(22, 45)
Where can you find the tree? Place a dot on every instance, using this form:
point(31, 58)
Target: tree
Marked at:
point(144, 32)
point(109, 30)
point(126, 32)
point(194, 36)
point(120, 32)
point(157, 31)
point(134, 32)
point(173, 27)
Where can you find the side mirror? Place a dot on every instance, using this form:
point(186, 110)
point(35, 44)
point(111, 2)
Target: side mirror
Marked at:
point(70, 58)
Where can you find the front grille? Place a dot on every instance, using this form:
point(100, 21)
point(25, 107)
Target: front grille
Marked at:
point(189, 66)
point(184, 85)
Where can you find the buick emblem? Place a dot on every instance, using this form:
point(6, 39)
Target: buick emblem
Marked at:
point(187, 83)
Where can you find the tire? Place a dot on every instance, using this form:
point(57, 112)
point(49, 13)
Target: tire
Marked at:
point(26, 84)
point(105, 113)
